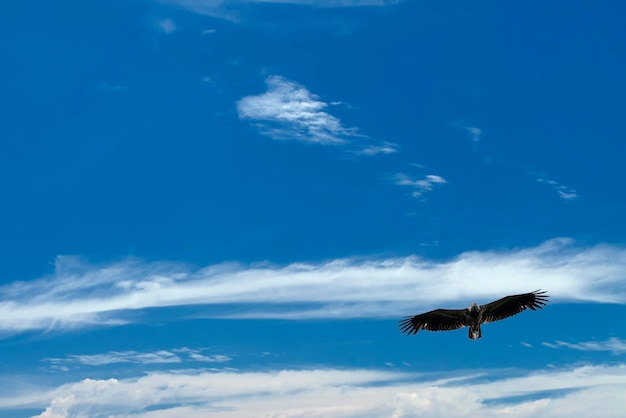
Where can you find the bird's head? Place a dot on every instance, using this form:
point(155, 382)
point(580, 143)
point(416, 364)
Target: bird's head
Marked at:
point(474, 307)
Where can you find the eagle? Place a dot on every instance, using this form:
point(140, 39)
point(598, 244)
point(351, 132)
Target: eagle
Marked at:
point(474, 316)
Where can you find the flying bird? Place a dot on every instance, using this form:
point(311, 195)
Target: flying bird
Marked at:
point(474, 316)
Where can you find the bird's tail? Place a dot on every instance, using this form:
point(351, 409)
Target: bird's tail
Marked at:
point(474, 333)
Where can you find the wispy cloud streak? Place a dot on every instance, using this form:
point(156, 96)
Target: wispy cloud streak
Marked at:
point(419, 186)
point(384, 148)
point(614, 345)
point(474, 132)
point(80, 294)
point(564, 192)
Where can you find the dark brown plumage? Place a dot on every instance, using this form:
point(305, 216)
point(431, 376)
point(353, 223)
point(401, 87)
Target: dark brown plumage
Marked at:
point(474, 316)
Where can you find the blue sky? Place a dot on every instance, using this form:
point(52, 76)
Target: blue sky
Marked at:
point(222, 208)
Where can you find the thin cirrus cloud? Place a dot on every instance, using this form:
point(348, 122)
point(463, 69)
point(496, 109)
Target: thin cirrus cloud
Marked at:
point(177, 355)
point(614, 345)
point(419, 186)
point(384, 148)
point(80, 294)
point(590, 391)
point(288, 111)
point(227, 9)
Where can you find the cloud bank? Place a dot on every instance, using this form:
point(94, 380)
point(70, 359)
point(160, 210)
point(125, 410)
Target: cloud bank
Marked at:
point(79, 294)
point(590, 391)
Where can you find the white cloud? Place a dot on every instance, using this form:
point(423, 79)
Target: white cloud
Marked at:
point(79, 294)
point(563, 191)
point(590, 391)
point(614, 345)
point(59, 407)
point(289, 111)
point(420, 186)
point(232, 394)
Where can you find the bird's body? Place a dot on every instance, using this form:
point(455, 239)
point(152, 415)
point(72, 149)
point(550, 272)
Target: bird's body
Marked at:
point(474, 316)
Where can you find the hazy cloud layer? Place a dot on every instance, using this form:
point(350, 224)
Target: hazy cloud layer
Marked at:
point(590, 391)
point(227, 9)
point(167, 26)
point(80, 294)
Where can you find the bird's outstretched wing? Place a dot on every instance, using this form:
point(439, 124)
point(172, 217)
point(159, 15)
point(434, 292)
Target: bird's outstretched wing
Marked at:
point(437, 320)
point(512, 305)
